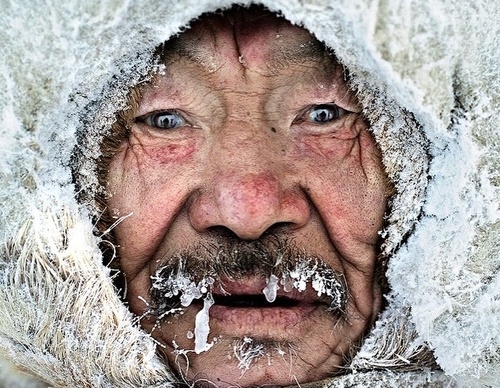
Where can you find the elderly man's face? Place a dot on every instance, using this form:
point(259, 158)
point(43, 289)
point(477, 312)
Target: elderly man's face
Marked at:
point(254, 193)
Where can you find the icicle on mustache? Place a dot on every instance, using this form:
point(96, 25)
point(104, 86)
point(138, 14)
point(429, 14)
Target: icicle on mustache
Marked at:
point(192, 275)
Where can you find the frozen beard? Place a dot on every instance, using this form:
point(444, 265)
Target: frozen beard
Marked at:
point(201, 276)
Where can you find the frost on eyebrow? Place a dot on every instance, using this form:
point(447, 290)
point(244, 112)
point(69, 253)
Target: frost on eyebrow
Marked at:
point(183, 47)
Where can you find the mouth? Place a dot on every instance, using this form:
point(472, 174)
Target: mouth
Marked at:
point(293, 293)
point(243, 308)
point(266, 307)
point(254, 301)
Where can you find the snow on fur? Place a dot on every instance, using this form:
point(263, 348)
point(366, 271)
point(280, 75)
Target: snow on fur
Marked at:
point(426, 74)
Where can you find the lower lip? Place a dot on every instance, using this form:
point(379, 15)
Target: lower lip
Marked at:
point(252, 318)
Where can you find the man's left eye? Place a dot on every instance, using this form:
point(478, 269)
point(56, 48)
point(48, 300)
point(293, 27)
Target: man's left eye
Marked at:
point(324, 113)
point(168, 119)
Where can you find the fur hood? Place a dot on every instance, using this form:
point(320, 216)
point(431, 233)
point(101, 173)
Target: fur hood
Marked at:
point(426, 74)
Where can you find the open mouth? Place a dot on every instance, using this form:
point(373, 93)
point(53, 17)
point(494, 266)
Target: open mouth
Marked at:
point(254, 301)
point(296, 291)
point(252, 312)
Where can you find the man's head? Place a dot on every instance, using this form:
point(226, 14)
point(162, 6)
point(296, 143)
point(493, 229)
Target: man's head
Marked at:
point(254, 194)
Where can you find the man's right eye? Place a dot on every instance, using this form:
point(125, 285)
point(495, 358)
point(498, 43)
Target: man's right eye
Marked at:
point(166, 119)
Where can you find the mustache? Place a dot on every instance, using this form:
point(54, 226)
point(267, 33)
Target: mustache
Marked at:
point(194, 273)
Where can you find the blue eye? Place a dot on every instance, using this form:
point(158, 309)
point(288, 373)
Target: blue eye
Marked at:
point(324, 113)
point(167, 119)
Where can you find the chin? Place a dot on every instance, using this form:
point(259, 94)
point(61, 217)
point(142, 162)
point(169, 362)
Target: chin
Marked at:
point(247, 362)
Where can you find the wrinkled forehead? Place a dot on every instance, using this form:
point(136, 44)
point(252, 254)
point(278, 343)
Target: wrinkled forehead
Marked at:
point(255, 38)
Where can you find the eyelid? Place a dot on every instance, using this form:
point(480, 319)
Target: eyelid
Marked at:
point(143, 117)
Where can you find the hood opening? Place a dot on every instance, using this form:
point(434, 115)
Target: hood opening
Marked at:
point(105, 122)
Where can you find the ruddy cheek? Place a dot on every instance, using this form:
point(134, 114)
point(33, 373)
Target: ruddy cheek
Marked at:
point(170, 153)
point(324, 150)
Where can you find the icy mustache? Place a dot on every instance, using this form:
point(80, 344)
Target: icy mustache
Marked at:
point(189, 276)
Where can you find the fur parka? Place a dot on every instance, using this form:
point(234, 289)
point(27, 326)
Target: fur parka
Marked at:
point(426, 73)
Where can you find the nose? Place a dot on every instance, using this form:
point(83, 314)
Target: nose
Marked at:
point(249, 195)
point(248, 206)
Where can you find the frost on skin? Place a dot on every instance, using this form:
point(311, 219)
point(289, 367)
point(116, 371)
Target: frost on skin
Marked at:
point(189, 275)
point(324, 282)
point(173, 288)
point(178, 285)
point(249, 350)
point(202, 327)
point(246, 351)
point(271, 290)
point(186, 290)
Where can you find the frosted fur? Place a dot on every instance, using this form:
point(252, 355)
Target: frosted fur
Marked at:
point(426, 74)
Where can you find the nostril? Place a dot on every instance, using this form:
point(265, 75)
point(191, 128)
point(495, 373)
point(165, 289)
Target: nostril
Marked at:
point(221, 231)
point(278, 228)
point(275, 229)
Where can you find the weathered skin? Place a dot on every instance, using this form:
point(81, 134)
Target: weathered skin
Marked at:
point(248, 158)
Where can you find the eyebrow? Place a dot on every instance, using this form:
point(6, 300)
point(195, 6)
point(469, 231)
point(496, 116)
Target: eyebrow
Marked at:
point(180, 48)
point(312, 51)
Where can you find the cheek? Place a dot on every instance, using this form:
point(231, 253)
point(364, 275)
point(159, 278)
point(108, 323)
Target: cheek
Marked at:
point(347, 184)
point(170, 153)
point(143, 165)
point(148, 186)
point(323, 151)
